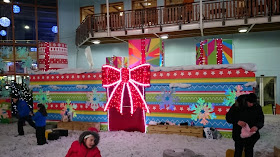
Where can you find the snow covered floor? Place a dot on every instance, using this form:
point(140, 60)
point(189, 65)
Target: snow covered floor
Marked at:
point(132, 144)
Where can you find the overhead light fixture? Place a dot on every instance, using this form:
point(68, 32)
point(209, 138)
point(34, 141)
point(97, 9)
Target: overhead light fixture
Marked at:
point(6, 1)
point(164, 36)
point(149, 3)
point(26, 27)
point(243, 30)
point(120, 7)
point(96, 41)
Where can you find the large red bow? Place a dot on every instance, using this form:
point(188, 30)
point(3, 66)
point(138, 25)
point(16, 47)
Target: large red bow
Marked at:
point(131, 79)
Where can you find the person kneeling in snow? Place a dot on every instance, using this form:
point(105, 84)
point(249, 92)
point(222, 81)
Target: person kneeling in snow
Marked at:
point(86, 146)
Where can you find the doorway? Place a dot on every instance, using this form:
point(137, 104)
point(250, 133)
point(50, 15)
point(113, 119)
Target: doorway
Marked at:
point(266, 93)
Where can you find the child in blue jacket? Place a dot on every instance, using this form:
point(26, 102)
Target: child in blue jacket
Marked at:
point(23, 114)
point(40, 122)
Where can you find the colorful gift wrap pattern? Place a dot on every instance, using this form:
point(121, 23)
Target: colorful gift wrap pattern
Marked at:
point(5, 110)
point(208, 87)
point(214, 51)
point(58, 56)
point(117, 62)
point(146, 51)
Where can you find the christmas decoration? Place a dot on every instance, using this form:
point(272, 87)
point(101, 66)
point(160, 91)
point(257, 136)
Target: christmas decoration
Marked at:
point(230, 97)
point(117, 62)
point(3, 33)
point(3, 91)
point(54, 29)
point(15, 92)
point(202, 111)
point(52, 56)
point(27, 63)
point(232, 94)
point(146, 51)
point(94, 100)
point(6, 51)
point(5, 111)
point(27, 96)
point(16, 9)
point(2, 64)
point(167, 99)
point(214, 51)
point(131, 79)
point(68, 111)
point(26, 81)
point(22, 52)
point(43, 98)
point(5, 22)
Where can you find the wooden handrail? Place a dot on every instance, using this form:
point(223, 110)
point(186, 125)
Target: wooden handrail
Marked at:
point(177, 14)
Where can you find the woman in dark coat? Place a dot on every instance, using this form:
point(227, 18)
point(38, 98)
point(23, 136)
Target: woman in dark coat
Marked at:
point(246, 110)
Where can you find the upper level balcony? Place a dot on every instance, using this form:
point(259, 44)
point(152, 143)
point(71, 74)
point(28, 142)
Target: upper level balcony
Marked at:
point(185, 20)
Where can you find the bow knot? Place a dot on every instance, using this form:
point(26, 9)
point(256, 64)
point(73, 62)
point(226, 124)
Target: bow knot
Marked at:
point(132, 79)
point(125, 75)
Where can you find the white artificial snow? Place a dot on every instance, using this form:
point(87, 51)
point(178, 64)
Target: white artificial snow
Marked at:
point(245, 66)
point(82, 86)
point(180, 85)
point(253, 84)
point(67, 71)
point(133, 144)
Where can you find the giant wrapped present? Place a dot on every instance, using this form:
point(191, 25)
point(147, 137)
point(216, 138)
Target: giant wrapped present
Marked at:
point(214, 51)
point(53, 56)
point(146, 51)
point(117, 62)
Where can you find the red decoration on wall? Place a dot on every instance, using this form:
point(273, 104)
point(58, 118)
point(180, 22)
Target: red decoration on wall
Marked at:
point(126, 79)
point(47, 57)
point(219, 51)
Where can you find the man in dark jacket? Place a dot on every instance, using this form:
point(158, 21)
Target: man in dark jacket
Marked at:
point(246, 110)
point(23, 114)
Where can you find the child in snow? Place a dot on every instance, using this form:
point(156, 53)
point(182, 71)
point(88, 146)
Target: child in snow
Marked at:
point(86, 145)
point(23, 114)
point(40, 122)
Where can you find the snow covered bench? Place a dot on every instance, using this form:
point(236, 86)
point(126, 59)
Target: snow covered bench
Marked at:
point(174, 129)
point(83, 126)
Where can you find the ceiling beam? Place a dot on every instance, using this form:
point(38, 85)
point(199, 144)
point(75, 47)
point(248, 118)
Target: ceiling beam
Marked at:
point(116, 8)
point(250, 28)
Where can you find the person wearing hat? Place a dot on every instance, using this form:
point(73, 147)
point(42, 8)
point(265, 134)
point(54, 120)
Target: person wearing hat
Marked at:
point(23, 114)
point(86, 145)
point(247, 118)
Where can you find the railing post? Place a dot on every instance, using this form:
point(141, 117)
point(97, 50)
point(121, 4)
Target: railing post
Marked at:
point(201, 17)
point(223, 13)
point(246, 12)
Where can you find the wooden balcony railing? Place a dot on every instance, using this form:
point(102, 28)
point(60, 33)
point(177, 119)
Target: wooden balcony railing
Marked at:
point(177, 14)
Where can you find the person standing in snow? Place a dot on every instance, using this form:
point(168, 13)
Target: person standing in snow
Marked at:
point(23, 114)
point(40, 122)
point(245, 112)
point(86, 146)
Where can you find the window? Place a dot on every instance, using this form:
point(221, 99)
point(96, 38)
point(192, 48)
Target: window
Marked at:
point(143, 4)
point(6, 32)
point(85, 11)
point(34, 21)
point(47, 24)
point(25, 31)
point(113, 7)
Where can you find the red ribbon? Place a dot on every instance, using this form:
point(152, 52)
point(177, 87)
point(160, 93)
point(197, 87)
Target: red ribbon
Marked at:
point(131, 79)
